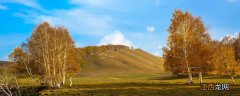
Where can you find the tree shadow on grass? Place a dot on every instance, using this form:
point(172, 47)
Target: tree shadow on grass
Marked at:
point(132, 84)
point(170, 77)
point(220, 77)
point(140, 89)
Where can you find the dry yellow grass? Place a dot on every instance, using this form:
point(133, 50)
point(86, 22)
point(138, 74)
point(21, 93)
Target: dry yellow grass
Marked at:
point(141, 84)
point(122, 61)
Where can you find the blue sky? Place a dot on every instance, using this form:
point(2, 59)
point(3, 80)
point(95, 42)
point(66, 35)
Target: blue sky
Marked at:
point(139, 23)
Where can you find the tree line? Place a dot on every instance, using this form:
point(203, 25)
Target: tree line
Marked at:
point(92, 50)
point(191, 51)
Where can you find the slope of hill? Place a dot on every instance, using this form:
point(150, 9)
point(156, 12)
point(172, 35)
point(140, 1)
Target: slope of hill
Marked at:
point(121, 61)
point(4, 63)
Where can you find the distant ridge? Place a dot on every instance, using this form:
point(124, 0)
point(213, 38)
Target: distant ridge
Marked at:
point(123, 60)
point(4, 63)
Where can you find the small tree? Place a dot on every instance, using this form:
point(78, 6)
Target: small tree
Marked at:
point(8, 83)
point(228, 64)
point(21, 62)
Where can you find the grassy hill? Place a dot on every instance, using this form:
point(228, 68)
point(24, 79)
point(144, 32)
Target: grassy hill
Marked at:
point(4, 63)
point(121, 61)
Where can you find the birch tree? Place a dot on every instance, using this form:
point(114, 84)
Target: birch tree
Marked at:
point(187, 34)
point(236, 45)
point(52, 53)
point(225, 62)
point(8, 84)
point(21, 62)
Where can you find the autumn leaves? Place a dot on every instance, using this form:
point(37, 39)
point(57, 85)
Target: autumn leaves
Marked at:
point(49, 54)
point(192, 51)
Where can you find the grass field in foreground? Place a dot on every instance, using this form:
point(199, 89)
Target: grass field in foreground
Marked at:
point(139, 85)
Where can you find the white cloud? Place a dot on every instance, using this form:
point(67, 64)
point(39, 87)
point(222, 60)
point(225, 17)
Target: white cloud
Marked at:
point(78, 21)
point(158, 51)
point(3, 7)
point(219, 33)
point(79, 44)
point(92, 3)
point(116, 38)
point(28, 3)
point(150, 29)
point(157, 2)
point(234, 35)
point(151, 43)
point(160, 46)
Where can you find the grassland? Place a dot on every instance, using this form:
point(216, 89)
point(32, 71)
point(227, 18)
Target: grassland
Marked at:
point(128, 73)
point(138, 85)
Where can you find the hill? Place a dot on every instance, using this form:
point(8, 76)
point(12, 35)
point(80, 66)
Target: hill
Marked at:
point(123, 60)
point(4, 63)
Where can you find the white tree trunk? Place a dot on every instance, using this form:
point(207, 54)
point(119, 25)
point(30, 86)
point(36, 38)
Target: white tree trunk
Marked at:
point(186, 53)
point(70, 81)
point(29, 70)
point(200, 77)
point(232, 77)
point(58, 85)
point(64, 78)
point(7, 84)
point(190, 81)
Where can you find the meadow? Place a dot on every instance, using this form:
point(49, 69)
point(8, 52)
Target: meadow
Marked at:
point(137, 85)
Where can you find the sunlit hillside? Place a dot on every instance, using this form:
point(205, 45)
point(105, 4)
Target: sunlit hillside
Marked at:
point(121, 61)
